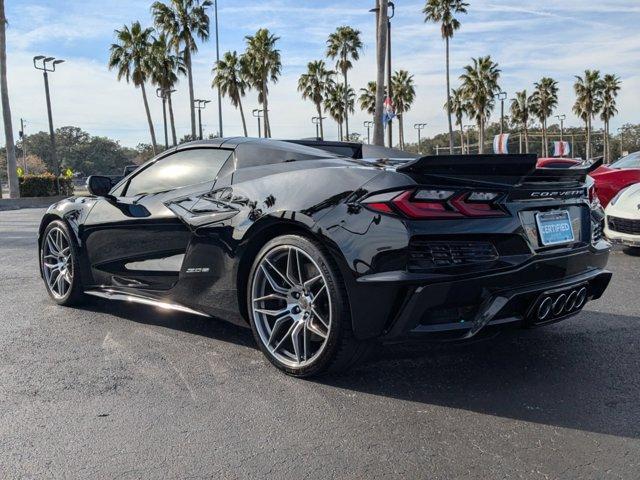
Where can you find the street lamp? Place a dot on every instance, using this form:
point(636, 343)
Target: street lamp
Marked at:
point(317, 121)
point(258, 113)
point(368, 124)
point(161, 93)
point(389, 88)
point(562, 118)
point(502, 96)
point(215, 6)
point(419, 127)
point(200, 105)
point(46, 65)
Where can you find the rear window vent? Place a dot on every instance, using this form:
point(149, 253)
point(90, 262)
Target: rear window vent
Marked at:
point(425, 254)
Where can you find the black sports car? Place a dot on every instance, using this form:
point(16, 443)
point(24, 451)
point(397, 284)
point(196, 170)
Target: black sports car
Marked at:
point(325, 255)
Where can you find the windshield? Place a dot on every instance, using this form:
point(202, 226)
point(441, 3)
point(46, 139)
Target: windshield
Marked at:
point(630, 161)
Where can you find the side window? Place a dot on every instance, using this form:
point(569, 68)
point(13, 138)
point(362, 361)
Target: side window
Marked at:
point(188, 167)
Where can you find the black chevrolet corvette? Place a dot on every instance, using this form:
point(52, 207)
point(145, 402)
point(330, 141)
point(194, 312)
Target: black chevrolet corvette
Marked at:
point(325, 252)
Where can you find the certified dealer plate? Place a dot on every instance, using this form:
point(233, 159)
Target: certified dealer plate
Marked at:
point(555, 227)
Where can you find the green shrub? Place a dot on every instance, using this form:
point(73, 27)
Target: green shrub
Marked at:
point(45, 185)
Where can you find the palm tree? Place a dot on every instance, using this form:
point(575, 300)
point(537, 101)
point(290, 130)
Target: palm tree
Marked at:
point(588, 91)
point(382, 19)
point(521, 111)
point(544, 100)
point(610, 88)
point(345, 45)
point(367, 98)
point(404, 93)
point(459, 110)
point(479, 86)
point(263, 65)
point(130, 55)
point(314, 85)
point(164, 66)
point(229, 78)
point(442, 12)
point(334, 104)
point(12, 173)
point(182, 21)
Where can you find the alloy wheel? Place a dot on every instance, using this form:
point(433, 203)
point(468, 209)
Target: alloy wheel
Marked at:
point(57, 263)
point(291, 306)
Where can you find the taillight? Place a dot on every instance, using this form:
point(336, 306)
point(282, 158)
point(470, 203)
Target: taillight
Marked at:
point(436, 204)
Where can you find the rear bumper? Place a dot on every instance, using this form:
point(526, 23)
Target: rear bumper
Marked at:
point(460, 307)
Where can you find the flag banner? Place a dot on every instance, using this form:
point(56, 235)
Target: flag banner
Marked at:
point(500, 143)
point(561, 149)
point(388, 111)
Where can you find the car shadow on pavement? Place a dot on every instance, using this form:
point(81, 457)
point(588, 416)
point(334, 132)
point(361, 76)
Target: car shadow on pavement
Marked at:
point(559, 375)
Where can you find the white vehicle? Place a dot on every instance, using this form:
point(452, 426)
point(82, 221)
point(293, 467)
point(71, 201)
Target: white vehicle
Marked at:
point(623, 217)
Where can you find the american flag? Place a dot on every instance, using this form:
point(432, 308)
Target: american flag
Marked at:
point(389, 110)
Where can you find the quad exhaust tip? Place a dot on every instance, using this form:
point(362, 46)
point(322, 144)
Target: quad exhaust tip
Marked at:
point(555, 306)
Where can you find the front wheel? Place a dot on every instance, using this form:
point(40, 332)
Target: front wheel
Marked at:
point(298, 309)
point(59, 264)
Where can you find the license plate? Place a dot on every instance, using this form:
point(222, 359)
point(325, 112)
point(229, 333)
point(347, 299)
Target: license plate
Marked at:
point(555, 227)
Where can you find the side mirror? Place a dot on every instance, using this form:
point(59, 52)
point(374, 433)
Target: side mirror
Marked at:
point(99, 186)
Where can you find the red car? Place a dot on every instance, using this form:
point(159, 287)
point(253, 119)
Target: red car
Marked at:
point(609, 179)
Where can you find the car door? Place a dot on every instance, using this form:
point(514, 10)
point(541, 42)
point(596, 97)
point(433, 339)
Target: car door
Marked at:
point(132, 239)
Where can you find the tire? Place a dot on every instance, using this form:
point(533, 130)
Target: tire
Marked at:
point(58, 247)
point(287, 307)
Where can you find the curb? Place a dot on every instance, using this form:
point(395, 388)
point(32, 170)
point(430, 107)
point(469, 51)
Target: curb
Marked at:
point(27, 202)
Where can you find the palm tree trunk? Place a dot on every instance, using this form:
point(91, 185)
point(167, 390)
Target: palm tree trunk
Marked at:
point(265, 104)
point(244, 121)
point(187, 61)
point(400, 131)
point(319, 109)
point(481, 136)
point(449, 100)
point(544, 138)
point(589, 137)
point(607, 143)
point(12, 174)
point(461, 139)
point(174, 138)
point(346, 103)
point(526, 139)
point(381, 56)
point(146, 108)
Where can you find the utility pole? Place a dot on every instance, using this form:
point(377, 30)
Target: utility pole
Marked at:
point(200, 105)
point(368, 124)
point(419, 127)
point(502, 96)
point(215, 5)
point(40, 62)
point(258, 113)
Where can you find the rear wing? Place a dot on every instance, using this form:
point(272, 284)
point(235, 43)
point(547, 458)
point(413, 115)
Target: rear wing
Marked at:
point(497, 169)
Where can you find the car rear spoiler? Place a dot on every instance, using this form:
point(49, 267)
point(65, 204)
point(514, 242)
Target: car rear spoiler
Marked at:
point(498, 169)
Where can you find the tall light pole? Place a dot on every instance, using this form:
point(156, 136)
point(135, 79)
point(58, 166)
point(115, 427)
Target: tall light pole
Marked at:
point(200, 105)
point(316, 121)
point(562, 118)
point(368, 124)
point(215, 5)
point(161, 93)
point(502, 96)
point(419, 127)
point(621, 131)
point(46, 65)
point(389, 88)
point(258, 113)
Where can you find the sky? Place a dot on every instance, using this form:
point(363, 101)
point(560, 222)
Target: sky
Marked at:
point(528, 38)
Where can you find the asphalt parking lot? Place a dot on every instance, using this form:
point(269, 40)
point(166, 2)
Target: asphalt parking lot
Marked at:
point(121, 391)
